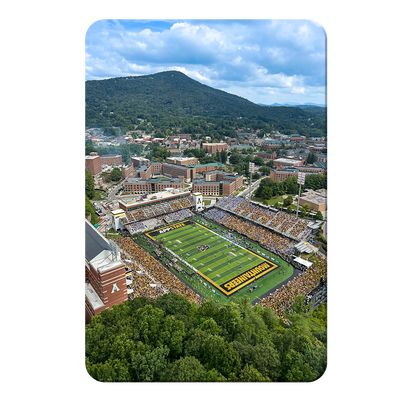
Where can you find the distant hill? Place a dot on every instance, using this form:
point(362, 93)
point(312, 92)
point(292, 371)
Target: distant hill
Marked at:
point(305, 105)
point(165, 97)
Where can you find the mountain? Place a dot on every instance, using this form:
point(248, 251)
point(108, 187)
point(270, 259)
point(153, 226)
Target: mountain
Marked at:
point(166, 97)
point(304, 105)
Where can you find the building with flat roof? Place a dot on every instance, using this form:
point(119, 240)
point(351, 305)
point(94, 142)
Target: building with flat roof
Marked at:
point(182, 160)
point(217, 183)
point(111, 159)
point(288, 162)
point(105, 282)
point(316, 199)
point(151, 185)
point(93, 163)
point(215, 147)
point(138, 161)
point(147, 200)
point(281, 175)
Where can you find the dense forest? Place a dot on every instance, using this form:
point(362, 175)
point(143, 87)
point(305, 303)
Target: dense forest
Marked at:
point(172, 339)
point(171, 100)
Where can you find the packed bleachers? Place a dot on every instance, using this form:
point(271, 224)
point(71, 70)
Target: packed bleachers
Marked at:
point(138, 284)
point(158, 209)
point(156, 270)
point(177, 216)
point(271, 241)
point(287, 224)
point(281, 300)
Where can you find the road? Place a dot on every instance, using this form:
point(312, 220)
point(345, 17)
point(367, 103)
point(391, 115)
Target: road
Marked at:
point(254, 186)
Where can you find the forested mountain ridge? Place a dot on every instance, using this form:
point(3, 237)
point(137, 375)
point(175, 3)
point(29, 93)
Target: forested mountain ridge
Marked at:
point(166, 97)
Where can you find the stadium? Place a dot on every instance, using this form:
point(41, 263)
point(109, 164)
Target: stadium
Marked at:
point(171, 243)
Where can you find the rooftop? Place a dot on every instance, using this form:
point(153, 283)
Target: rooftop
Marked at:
point(95, 242)
point(92, 296)
point(287, 160)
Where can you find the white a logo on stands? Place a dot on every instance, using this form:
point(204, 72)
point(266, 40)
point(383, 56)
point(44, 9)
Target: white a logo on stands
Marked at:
point(115, 288)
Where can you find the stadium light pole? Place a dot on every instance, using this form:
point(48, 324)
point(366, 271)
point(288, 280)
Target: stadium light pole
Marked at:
point(300, 180)
point(251, 170)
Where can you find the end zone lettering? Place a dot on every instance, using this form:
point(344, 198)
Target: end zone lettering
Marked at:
point(246, 276)
point(170, 228)
point(167, 228)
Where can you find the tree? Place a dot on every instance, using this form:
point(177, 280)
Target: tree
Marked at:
point(288, 201)
point(319, 215)
point(235, 158)
point(297, 369)
point(251, 374)
point(312, 158)
point(89, 209)
point(264, 170)
point(224, 156)
point(266, 193)
point(89, 185)
point(149, 366)
point(258, 161)
point(186, 369)
point(116, 174)
point(172, 304)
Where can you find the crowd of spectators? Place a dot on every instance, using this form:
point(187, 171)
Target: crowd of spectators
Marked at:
point(280, 301)
point(140, 286)
point(278, 244)
point(156, 270)
point(177, 216)
point(286, 224)
point(141, 226)
point(158, 209)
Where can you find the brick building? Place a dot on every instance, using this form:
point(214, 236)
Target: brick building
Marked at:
point(182, 160)
point(290, 162)
point(138, 161)
point(317, 200)
point(281, 175)
point(215, 147)
point(105, 282)
point(111, 159)
point(127, 170)
point(152, 185)
point(277, 144)
point(217, 183)
point(266, 155)
point(93, 163)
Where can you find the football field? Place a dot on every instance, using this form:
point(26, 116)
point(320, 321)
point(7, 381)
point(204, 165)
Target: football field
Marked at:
point(223, 264)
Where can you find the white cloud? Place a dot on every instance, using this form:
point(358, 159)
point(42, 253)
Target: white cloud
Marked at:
point(256, 58)
point(298, 89)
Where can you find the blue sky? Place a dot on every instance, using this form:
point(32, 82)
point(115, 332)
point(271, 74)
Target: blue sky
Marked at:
point(264, 61)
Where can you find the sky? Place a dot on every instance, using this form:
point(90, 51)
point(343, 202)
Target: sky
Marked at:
point(264, 61)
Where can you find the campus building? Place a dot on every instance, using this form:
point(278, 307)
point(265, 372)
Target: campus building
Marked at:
point(288, 162)
point(105, 282)
point(151, 185)
point(93, 163)
point(112, 159)
point(317, 200)
point(186, 172)
point(217, 183)
point(215, 147)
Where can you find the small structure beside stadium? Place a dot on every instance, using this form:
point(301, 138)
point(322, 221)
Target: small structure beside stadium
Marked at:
point(198, 201)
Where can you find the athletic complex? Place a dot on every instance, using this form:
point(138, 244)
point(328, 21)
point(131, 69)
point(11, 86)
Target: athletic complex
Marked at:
point(170, 243)
point(227, 266)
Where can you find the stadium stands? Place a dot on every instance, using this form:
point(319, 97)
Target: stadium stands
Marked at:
point(287, 224)
point(166, 279)
point(271, 241)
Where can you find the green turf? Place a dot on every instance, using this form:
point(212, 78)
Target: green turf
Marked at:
point(264, 283)
point(221, 262)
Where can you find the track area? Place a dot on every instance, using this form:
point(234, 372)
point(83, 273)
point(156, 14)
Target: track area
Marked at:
point(225, 265)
